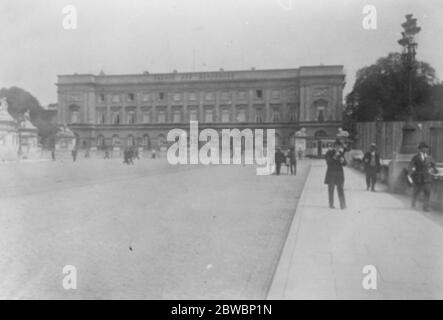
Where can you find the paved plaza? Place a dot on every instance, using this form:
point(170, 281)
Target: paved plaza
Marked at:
point(147, 231)
point(327, 250)
point(156, 231)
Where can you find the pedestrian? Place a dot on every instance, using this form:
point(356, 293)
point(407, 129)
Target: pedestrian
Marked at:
point(74, 154)
point(372, 165)
point(288, 162)
point(126, 156)
point(279, 159)
point(131, 156)
point(293, 161)
point(421, 168)
point(335, 177)
point(136, 154)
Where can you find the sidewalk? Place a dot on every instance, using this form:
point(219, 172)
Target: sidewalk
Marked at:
point(327, 249)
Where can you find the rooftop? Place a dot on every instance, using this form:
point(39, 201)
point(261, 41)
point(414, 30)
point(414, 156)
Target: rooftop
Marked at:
point(220, 75)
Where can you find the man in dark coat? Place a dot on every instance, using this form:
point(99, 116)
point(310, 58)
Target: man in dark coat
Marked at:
point(335, 160)
point(293, 161)
point(421, 168)
point(279, 159)
point(372, 164)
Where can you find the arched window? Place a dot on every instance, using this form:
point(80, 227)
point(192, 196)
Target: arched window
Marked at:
point(100, 142)
point(74, 113)
point(146, 142)
point(320, 106)
point(115, 140)
point(161, 140)
point(77, 140)
point(131, 141)
point(277, 140)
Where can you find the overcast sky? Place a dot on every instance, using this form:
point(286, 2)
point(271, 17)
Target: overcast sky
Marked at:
point(131, 36)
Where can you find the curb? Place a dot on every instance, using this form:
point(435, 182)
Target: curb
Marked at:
point(281, 275)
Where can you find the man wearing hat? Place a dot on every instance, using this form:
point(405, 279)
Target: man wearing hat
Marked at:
point(421, 168)
point(335, 177)
point(372, 163)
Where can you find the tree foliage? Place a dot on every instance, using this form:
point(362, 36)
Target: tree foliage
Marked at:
point(20, 100)
point(381, 90)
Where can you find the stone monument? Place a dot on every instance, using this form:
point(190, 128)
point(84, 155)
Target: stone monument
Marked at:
point(64, 142)
point(28, 139)
point(9, 143)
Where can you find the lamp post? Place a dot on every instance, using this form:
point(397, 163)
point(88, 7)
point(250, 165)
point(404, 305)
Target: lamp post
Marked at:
point(409, 45)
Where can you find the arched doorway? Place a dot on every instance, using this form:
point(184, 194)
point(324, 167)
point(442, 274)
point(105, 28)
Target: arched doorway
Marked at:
point(146, 142)
point(320, 137)
point(130, 142)
point(101, 142)
point(161, 141)
point(115, 140)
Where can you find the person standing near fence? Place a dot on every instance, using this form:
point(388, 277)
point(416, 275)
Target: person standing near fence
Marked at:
point(372, 164)
point(421, 168)
point(335, 177)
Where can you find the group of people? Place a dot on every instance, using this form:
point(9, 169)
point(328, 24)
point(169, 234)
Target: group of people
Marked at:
point(129, 154)
point(420, 173)
point(288, 159)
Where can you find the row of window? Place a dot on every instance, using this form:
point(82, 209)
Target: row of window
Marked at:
point(129, 117)
point(161, 96)
point(209, 116)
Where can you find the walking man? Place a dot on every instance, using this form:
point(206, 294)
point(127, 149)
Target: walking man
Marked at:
point(421, 169)
point(279, 159)
point(372, 167)
point(335, 177)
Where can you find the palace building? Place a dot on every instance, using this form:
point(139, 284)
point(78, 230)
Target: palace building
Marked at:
point(107, 111)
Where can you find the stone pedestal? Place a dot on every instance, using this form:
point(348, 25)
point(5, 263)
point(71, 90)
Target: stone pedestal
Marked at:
point(64, 142)
point(28, 139)
point(397, 180)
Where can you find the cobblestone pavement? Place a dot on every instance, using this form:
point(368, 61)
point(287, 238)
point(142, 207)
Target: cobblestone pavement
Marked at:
point(149, 231)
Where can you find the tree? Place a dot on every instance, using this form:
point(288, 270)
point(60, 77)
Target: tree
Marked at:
point(20, 100)
point(381, 90)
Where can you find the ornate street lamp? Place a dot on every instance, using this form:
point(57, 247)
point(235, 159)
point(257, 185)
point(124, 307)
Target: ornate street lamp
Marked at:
point(409, 51)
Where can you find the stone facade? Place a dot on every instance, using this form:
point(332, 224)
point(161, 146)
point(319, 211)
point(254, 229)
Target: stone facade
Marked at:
point(105, 111)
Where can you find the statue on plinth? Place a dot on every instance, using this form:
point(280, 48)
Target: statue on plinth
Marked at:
point(3, 104)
